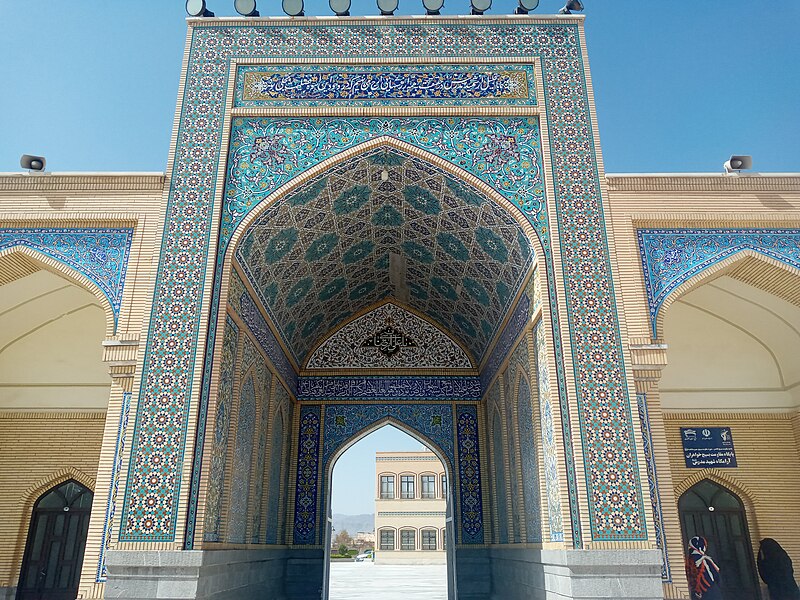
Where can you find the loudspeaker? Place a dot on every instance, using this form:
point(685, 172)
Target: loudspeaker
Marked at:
point(738, 163)
point(32, 163)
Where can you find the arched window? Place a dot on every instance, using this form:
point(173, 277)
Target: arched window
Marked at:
point(427, 485)
point(429, 539)
point(51, 566)
point(386, 539)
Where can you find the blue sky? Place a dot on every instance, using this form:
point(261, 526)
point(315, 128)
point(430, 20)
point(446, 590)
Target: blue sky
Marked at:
point(680, 85)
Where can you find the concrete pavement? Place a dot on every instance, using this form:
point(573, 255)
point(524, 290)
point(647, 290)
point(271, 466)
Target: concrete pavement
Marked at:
point(369, 581)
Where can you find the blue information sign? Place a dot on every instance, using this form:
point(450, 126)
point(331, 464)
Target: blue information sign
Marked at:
point(706, 447)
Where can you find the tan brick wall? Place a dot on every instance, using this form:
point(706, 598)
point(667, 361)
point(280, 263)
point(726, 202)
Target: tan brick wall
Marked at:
point(37, 451)
point(767, 477)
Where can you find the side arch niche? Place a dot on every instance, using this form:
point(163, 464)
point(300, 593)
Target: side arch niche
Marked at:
point(675, 261)
point(19, 261)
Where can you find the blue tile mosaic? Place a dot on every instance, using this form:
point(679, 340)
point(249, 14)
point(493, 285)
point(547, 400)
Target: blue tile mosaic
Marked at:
point(652, 480)
point(344, 421)
point(111, 506)
point(100, 255)
point(549, 442)
point(400, 85)
point(305, 501)
point(217, 466)
point(530, 464)
point(378, 387)
point(242, 461)
point(672, 256)
point(470, 487)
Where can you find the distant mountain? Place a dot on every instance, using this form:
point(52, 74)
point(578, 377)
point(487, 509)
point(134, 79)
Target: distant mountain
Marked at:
point(353, 523)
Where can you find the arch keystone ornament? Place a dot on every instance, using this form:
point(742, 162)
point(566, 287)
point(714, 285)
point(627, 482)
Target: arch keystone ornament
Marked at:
point(236, 168)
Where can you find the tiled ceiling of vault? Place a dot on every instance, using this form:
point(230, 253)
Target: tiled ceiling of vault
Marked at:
point(323, 252)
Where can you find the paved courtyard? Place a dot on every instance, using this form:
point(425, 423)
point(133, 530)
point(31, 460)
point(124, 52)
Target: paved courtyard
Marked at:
point(366, 580)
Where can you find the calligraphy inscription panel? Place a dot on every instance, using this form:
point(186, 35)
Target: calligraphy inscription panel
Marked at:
point(418, 85)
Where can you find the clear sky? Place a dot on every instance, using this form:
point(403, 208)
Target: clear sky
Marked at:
point(680, 85)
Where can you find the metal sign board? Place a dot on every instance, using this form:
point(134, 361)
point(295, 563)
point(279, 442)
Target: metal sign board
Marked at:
point(707, 447)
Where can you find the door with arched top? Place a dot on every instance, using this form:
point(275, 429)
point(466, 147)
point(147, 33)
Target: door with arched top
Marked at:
point(51, 566)
point(710, 510)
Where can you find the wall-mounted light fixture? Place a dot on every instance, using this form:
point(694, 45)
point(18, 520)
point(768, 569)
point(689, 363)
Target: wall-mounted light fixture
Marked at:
point(387, 7)
point(340, 7)
point(293, 8)
point(432, 7)
point(197, 8)
point(246, 8)
point(526, 6)
point(480, 6)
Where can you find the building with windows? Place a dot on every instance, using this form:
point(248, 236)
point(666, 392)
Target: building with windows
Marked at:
point(410, 508)
point(394, 220)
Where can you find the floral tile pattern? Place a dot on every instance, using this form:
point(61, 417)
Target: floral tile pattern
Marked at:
point(470, 487)
point(388, 387)
point(652, 480)
point(216, 477)
point(672, 256)
point(549, 442)
point(101, 255)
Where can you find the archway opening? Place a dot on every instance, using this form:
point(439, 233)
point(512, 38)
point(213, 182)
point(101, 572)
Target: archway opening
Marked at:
point(53, 405)
point(731, 398)
point(378, 297)
point(402, 545)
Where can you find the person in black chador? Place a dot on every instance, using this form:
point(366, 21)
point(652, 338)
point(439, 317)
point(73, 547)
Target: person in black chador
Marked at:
point(775, 568)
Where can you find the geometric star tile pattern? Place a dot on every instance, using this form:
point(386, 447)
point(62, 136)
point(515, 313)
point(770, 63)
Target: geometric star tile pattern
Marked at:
point(322, 254)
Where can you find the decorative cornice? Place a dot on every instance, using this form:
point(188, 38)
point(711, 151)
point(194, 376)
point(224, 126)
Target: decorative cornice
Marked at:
point(704, 182)
point(367, 20)
point(415, 513)
point(743, 416)
point(116, 182)
point(50, 414)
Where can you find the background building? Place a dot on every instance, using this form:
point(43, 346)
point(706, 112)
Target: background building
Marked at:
point(410, 508)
